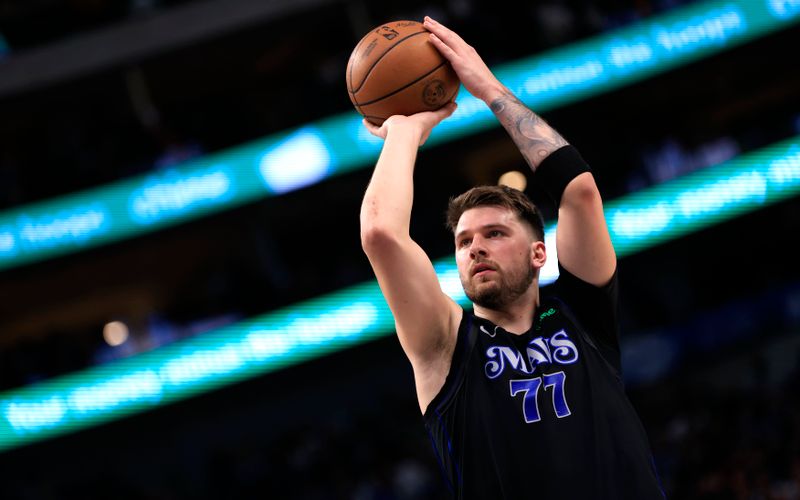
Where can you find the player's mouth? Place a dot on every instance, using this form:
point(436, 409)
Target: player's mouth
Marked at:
point(481, 269)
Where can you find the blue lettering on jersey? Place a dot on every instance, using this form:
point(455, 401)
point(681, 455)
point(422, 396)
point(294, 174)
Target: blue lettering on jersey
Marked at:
point(557, 349)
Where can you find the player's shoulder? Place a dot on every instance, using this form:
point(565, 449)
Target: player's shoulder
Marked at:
point(568, 285)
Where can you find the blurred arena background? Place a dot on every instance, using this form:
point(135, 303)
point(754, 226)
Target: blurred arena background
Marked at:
point(125, 96)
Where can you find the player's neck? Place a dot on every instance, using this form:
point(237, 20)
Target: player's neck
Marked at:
point(516, 317)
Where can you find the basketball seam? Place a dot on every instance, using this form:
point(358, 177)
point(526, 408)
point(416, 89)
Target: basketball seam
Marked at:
point(454, 93)
point(386, 117)
point(404, 86)
point(355, 91)
point(350, 68)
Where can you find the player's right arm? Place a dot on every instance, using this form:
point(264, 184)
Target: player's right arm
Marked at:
point(426, 319)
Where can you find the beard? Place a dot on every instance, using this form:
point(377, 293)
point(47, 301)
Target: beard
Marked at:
point(506, 287)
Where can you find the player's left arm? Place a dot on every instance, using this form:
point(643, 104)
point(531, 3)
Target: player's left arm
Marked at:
point(583, 243)
point(582, 240)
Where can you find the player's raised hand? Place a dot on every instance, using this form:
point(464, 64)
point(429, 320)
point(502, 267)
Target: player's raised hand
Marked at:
point(421, 123)
point(477, 78)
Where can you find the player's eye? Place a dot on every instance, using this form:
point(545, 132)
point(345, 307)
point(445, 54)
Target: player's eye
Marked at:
point(495, 233)
point(463, 243)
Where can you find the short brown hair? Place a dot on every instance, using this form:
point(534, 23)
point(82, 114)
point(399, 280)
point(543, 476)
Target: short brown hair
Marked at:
point(497, 196)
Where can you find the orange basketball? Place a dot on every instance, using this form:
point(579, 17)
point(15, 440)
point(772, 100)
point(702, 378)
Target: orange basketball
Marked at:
point(396, 70)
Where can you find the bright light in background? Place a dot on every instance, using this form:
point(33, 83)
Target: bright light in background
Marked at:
point(784, 9)
point(70, 226)
point(513, 179)
point(300, 160)
point(549, 273)
point(115, 333)
point(173, 193)
point(7, 241)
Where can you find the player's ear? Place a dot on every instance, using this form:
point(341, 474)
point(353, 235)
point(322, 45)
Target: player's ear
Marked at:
point(538, 254)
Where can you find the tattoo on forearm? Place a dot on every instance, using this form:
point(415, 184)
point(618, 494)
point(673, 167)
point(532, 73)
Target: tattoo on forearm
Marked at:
point(532, 135)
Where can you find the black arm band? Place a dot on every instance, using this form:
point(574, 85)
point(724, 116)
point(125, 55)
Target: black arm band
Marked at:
point(558, 170)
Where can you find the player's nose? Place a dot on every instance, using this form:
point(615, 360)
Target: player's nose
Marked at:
point(477, 247)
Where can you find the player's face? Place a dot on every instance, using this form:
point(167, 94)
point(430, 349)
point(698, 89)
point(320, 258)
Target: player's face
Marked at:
point(493, 253)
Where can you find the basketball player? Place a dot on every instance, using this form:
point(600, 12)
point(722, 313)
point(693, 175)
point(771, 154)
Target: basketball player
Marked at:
point(523, 397)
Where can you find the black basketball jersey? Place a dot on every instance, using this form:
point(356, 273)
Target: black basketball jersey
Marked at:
point(543, 415)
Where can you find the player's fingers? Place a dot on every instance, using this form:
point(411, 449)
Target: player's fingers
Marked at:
point(447, 35)
point(442, 47)
point(449, 108)
point(443, 112)
point(372, 128)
